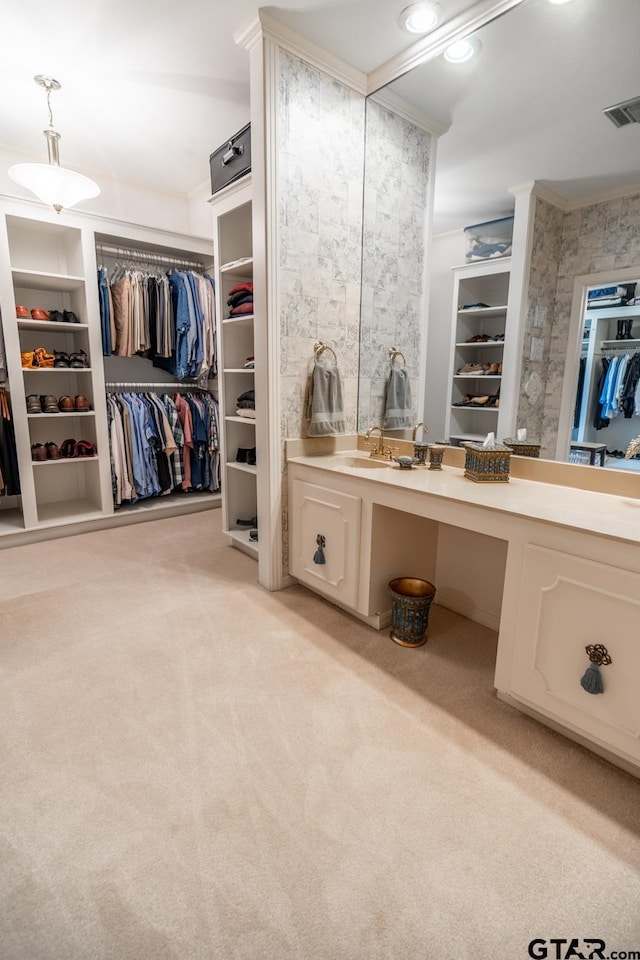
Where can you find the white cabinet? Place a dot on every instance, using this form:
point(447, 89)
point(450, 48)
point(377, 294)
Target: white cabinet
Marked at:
point(565, 603)
point(50, 268)
point(479, 331)
point(233, 250)
point(316, 511)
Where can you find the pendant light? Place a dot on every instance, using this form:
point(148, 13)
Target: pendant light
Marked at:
point(50, 182)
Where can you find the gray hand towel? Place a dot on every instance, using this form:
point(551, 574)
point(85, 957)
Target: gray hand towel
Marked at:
point(397, 405)
point(325, 409)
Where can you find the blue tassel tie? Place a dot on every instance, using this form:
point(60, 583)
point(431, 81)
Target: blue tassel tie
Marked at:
point(592, 679)
point(318, 556)
point(599, 657)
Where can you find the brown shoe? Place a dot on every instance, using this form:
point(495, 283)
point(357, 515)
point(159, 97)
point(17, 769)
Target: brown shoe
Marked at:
point(82, 404)
point(66, 404)
point(38, 451)
point(53, 451)
point(49, 404)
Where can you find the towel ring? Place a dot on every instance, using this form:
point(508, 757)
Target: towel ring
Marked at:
point(393, 353)
point(319, 348)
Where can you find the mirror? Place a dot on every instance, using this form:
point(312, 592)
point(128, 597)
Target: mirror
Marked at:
point(527, 107)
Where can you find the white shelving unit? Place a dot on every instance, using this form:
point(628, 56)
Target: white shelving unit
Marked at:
point(233, 251)
point(48, 269)
point(48, 261)
point(487, 283)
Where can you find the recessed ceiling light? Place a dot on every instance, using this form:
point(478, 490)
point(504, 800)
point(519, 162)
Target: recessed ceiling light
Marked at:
point(559, 1)
point(460, 51)
point(419, 17)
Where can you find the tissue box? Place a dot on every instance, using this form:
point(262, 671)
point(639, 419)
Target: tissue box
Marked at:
point(523, 448)
point(486, 241)
point(486, 465)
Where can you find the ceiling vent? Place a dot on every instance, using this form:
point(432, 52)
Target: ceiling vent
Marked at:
point(622, 114)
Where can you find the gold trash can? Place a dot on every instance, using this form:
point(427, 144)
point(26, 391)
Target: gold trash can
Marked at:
point(411, 600)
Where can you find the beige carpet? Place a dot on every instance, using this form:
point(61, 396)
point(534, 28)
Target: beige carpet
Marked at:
point(192, 767)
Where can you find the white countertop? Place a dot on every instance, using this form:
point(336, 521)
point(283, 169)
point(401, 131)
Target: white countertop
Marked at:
point(600, 513)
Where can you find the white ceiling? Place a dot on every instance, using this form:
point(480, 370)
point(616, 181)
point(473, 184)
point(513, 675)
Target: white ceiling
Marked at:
point(149, 89)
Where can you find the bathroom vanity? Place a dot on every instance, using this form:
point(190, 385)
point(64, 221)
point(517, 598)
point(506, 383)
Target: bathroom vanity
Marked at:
point(552, 568)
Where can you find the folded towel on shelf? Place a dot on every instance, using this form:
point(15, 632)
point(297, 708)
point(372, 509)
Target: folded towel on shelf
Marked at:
point(246, 405)
point(242, 296)
point(325, 408)
point(244, 308)
point(248, 412)
point(397, 403)
point(248, 287)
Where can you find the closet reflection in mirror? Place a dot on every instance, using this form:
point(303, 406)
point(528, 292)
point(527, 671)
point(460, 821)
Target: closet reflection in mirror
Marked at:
point(496, 122)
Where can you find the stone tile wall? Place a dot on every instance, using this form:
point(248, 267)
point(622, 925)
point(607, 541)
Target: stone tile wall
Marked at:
point(397, 171)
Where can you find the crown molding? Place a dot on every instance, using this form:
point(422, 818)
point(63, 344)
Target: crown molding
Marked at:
point(408, 111)
point(264, 25)
point(542, 192)
point(482, 12)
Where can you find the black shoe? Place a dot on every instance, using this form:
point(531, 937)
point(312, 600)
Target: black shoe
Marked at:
point(251, 457)
point(253, 536)
point(253, 522)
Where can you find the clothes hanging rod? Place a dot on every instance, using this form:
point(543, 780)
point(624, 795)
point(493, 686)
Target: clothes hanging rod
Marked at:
point(129, 253)
point(112, 385)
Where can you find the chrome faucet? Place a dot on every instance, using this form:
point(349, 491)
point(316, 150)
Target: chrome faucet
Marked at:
point(378, 450)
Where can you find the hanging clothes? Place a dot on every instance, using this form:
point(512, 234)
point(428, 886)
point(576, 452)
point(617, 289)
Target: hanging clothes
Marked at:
point(9, 476)
point(169, 318)
point(162, 444)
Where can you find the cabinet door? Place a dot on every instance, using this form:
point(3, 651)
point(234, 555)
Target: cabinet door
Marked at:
point(335, 516)
point(566, 603)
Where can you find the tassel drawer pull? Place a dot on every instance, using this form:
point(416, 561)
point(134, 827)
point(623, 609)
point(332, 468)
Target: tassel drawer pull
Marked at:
point(318, 556)
point(591, 681)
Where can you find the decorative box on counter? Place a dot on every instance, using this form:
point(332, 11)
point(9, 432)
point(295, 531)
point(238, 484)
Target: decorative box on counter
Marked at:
point(522, 448)
point(486, 241)
point(486, 464)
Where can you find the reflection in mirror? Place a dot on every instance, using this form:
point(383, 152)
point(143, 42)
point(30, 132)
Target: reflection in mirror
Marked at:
point(516, 113)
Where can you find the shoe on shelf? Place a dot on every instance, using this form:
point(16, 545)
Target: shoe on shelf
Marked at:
point(66, 404)
point(49, 404)
point(53, 451)
point(33, 404)
point(82, 405)
point(472, 370)
point(251, 457)
point(85, 449)
point(494, 370)
point(78, 359)
point(253, 536)
point(27, 358)
point(253, 522)
point(56, 316)
point(68, 448)
point(39, 314)
point(42, 357)
point(38, 451)
point(61, 359)
point(69, 316)
point(479, 338)
point(21, 312)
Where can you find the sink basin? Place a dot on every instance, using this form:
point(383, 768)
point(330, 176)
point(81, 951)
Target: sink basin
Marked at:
point(366, 462)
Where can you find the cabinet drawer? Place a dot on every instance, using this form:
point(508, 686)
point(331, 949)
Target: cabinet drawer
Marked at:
point(567, 602)
point(317, 510)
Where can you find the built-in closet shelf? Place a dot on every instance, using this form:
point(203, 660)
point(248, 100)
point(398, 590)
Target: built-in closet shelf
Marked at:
point(239, 370)
point(479, 376)
point(36, 280)
point(243, 318)
point(475, 407)
point(488, 343)
point(613, 313)
point(483, 311)
point(61, 415)
point(41, 370)
point(65, 511)
point(51, 326)
point(619, 343)
point(11, 521)
point(250, 420)
point(237, 268)
point(242, 467)
point(241, 537)
point(65, 460)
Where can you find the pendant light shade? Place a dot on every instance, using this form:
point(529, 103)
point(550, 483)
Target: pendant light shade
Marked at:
point(50, 182)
